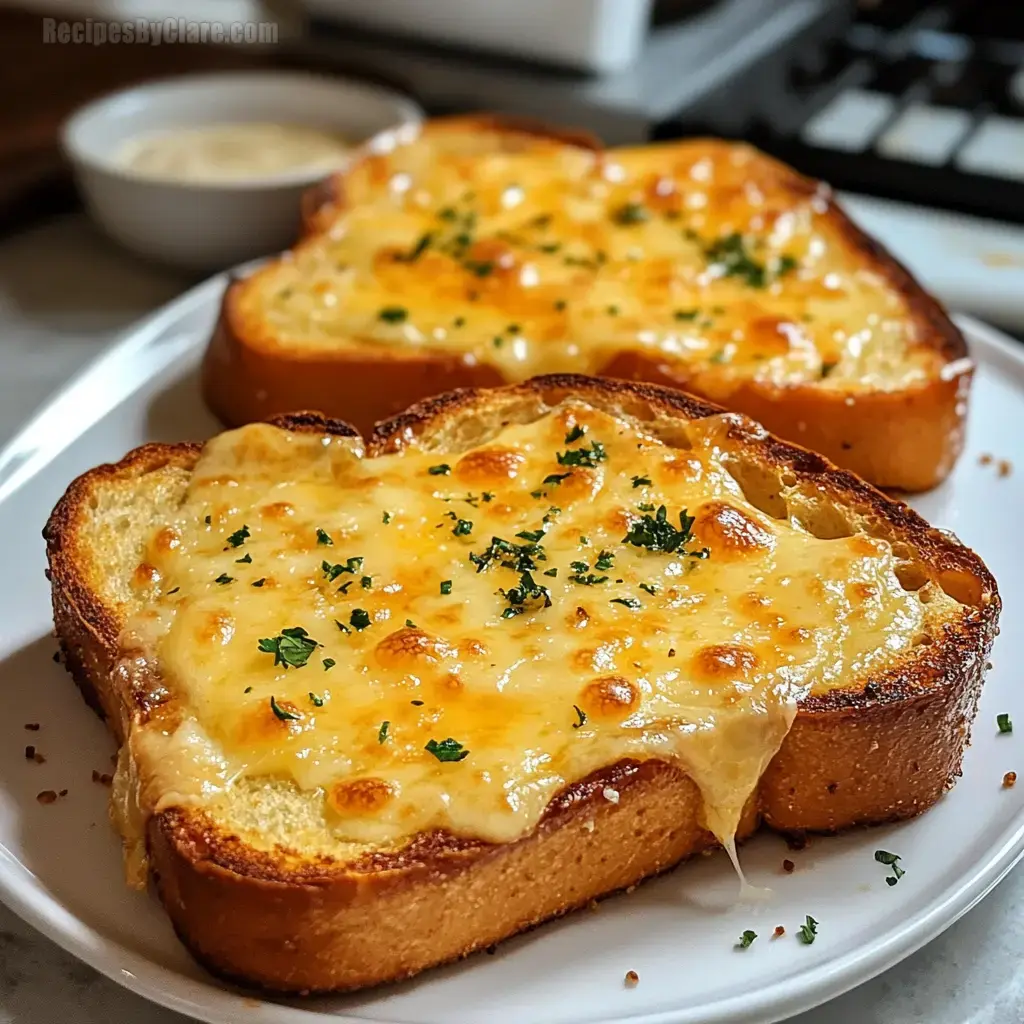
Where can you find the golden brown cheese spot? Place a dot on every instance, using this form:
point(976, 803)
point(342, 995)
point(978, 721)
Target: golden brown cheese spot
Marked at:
point(217, 627)
point(409, 647)
point(580, 485)
point(860, 592)
point(727, 530)
point(489, 465)
point(277, 510)
point(167, 539)
point(145, 575)
point(720, 662)
point(473, 649)
point(769, 336)
point(865, 547)
point(753, 604)
point(684, 467)
point(793, 635)
point(619, 520)
point(357, 797)
point(609, 697)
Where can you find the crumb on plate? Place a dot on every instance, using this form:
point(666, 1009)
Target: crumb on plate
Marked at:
point(632, 979)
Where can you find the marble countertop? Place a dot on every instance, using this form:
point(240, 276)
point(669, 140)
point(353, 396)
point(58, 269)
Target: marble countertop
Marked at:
point(65, 294)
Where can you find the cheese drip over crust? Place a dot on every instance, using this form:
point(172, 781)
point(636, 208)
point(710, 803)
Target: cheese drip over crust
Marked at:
point(447, 640)
point(706, 256)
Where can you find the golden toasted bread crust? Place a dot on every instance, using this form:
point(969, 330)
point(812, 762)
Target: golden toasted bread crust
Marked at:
point(883, 751)
point(907, 439)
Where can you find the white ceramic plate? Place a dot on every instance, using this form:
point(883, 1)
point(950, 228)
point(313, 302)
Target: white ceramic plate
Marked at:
point(60, 864)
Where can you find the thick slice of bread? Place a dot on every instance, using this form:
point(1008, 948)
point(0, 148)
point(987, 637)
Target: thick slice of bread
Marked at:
point(789, 566)
point(475, 255)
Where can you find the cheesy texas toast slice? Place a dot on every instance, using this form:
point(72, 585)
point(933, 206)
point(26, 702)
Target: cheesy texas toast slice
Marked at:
point(470, 255)
point(381, 707)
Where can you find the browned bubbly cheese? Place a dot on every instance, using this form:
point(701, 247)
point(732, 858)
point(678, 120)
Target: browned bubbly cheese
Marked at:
point(700, 255)
point(446, 640)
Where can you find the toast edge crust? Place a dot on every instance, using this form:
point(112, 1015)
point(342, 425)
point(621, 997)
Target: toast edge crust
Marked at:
point(318, 926)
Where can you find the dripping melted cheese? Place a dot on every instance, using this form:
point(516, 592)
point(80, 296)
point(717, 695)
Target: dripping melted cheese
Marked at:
point(630, 653)
point(706, 256)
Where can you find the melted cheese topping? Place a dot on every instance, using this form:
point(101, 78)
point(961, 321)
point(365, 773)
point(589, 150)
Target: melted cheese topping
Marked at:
point(446, 688)
point(704, 256)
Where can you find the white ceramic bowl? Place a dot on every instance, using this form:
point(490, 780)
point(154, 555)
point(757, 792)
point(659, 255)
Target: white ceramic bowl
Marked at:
point(205, 227)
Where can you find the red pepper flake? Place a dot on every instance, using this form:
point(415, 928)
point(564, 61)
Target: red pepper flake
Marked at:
point(779, 932)
point(632, 979)
point(788, 866)
point(47, 797)
point(32, 726)
point(1009, 780)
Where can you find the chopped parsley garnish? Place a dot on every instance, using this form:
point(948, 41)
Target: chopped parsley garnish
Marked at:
point(446, 750)
point(613, 310)
point(588, 457)
point(631, 213)
point(555, 478)
point(641, 481)
point(385, 518)
point(529, 590)
point(560, 305)
point(459, 321)
point(1004, 723)
point(332, 572)
point(785, 264)
point(329, 663)
point(534, 535)
point(248, 689)
point(393, 314)
point(746, 939)
point(656, 533)
point(224, 578)
point(174, 591)
point(323, 537)
point(550, 572)
point(575, 434)
point(418, 249)
point(283, 713)
point(686, 314)
point(291, 647)
point(366, 582)
point(342, 626)
point(629, 602)
point(447, 213)
point(246, 559)
point(648, 588)
point(359, 618)
point(808, 931)
point(462, 528)
point(730, 253)
point(604, 560)
point(416, 703)
point(590, 580)
point(318, 702)
point(440, 470)
point(581, 717)
point(718, 357)
point(521, 557)
point(239, 537)
point(260, 581)
point(446, 586)
point(382, 732)
point(645, 506)
point(890, 860)
point(410, 624)
point(206, 519)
